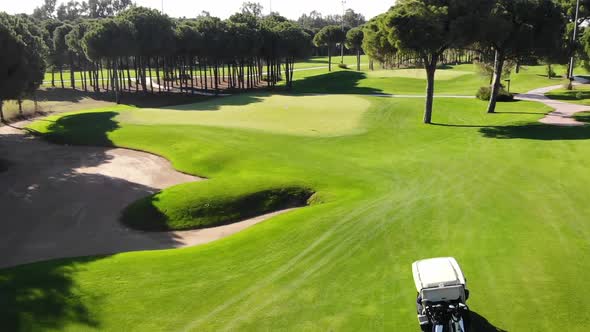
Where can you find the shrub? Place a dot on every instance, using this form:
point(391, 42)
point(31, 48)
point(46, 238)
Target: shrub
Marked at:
point(579, 95)
point(343, 66)
point(550, 72)
point(484, 93)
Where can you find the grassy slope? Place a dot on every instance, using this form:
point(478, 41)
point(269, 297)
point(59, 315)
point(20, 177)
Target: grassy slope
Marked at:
point(481, 188)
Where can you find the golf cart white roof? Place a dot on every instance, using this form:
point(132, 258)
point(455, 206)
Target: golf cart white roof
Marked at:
point(437, 272)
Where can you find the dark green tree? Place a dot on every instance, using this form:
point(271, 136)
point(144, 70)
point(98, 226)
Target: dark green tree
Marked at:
point(329, 37)
point(430, 27)
point(354, 41)
point(520, 28)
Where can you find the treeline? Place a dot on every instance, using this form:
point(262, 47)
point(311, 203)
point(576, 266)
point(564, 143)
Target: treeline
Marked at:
point(501, 32)
point(72, 10)
point(141, 49)
point(314, 22)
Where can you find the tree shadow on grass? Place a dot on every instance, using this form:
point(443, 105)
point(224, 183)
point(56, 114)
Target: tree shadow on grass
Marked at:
point(537, 131)
point(139, 99)
point(573, 95)
point(218, 103)
point(82, 129)
point(44, 296)
point(339, 82)
point(480, 324)
point(583, 117)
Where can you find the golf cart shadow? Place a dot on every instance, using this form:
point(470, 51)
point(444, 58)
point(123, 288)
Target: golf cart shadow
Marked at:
point(480, 324)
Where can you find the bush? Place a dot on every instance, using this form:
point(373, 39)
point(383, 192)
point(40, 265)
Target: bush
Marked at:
point(484, 93)
point(550, 72)
point(342, 66)
point(579, 95)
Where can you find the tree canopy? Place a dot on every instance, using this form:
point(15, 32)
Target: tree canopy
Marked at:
point(328, 37)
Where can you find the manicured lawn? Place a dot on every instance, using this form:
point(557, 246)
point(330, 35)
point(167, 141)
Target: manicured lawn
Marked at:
point(388, 191)
point(504, 195)
point(580, 95)
point(452, 80)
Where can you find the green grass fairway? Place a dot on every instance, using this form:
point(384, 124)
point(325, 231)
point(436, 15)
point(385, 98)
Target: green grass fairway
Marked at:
point(503, 194)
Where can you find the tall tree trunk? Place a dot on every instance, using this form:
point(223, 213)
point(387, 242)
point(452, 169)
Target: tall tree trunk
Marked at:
point(20, 106)
point(101, 73)
point(83, 74)
point(430, 66)
point(52, 77)
point(495, 89)
point(128, 75)
point(72, 73)
point(61, 77)
point(35, 102)
point(358, 60)
point(2, 111)
point(116, 81)
point(329, 58)
point(158, 74)
point(150, 75)
point(191, 61)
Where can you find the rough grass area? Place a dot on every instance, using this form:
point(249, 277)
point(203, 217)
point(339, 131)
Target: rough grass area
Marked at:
point(179, 208)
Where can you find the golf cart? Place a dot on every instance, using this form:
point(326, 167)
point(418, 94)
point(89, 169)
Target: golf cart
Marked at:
point(441, 295)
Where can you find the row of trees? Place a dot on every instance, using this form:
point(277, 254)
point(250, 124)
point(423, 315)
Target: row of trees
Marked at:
point(73, 10)
point(22, 58)
point(142, 49)
point(505, 30)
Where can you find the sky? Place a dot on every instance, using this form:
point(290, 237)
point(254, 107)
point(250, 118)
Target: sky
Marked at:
point(223, 8)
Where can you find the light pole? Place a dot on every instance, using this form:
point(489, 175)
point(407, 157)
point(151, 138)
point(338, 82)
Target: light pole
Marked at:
point(575, 38)
point(342, 43)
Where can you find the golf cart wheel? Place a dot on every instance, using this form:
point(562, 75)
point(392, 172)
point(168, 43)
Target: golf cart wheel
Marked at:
point(467, 321)
point(426, 328)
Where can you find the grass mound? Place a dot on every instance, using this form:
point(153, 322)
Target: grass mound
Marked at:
point(178, 209)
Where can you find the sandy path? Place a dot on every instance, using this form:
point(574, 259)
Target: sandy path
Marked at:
point(563, 112)
point(65, 201)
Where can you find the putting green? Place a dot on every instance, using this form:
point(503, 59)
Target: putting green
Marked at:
point(285, 114)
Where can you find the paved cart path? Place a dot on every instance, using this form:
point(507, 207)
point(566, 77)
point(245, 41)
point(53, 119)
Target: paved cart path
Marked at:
point(563, 112)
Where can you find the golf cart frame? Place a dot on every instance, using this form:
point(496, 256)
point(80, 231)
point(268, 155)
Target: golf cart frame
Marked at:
point(442, 294)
